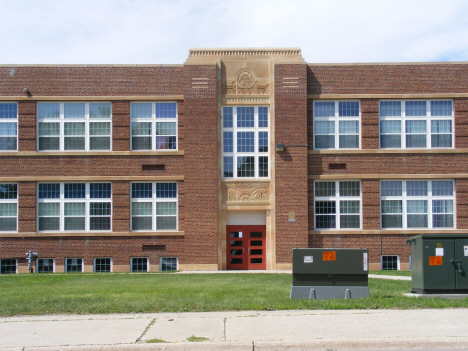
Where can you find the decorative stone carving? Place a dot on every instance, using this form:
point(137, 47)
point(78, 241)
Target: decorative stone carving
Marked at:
point(245, 78)
point(247, 193)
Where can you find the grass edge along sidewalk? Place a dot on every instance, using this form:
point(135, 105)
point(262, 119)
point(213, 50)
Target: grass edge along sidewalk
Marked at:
point(36, 294)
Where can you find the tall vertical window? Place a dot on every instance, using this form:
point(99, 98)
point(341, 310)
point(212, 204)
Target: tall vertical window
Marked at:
point(337, 205)
point(153, 125)
point(8, 126)
point(337, 124)
point(245, 142)
point(154, 206)
point(417, 204)
point(74, 207)
point(73, 126)
point(8, 207)
point(415, 124)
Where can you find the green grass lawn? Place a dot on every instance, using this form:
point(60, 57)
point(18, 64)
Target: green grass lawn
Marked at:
point(33, 294)
point(398, 273)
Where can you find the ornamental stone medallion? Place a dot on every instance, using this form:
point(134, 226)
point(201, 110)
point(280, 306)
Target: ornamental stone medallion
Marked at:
point(245, 78)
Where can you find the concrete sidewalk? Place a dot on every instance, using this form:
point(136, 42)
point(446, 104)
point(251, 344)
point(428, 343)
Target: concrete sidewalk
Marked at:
point(247, 330)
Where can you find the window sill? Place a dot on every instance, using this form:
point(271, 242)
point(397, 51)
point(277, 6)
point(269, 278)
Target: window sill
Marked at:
point(387, 231)
point(388, 151)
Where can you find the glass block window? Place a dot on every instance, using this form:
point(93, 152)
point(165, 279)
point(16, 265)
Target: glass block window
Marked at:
point(337, 124)
point(45, 265)
point(245, 142)
point(153, 125)
point(8, 126)
point(422, 124)
point(74, 265)
point(413, 204)
point(154, 206)
point(390, 262)
point(74, 207)
point(139, 264)
point(8, 266)
point(103, 264)
point(169, 264)
point(337, 204)
point(74, 126)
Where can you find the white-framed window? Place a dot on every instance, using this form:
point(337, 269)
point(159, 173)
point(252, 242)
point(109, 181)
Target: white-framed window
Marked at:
point(168, 264)
point(154, 125)
point(337, 125)
point(8, 126)
point(72, 126)
point(139, 264)
point(337, 204)
point(246, 142)
point(103, 264)
point(390, 263)
point(418, 124)
point(74, 265)
point(411, 204)
point(8, 266)
point(74, 207)
point(154, 206)
point(8, 207)
point(45, 265)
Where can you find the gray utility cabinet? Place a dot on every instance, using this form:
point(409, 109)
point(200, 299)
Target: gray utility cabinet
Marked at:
point(325, 274)
point(439, 263)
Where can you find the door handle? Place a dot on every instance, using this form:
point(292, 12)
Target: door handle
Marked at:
point(457, 265)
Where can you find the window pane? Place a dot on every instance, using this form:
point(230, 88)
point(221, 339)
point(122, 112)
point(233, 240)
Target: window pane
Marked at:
point(417, 206)
point(350, 189)
point(8, 143)
point(416, 188)
point(263, 142)
point(349, 141)
point(228, 166)
point(74, 110)
point(8, 110)
point(227, 117)
point(325, 207)
point(324, 189)
point(441, 108)
point(391, 188)
point(99, 110)
point(324, 141)
point(415, 108)
point(348, 108)
point(442, 188)
point(8, 191)
point(245, 167)
point(245, 117)
point(417, 221)
point(390, 108)
point(392, 221)
point(142, 190)
point(324, 109)
point(74, 209)
point(99, 128)
point(8, 224)
point(48, 110)
point(324, 127)
point(49, 143)
point(245, 142)
point(325, 222)
point(142, 223)
point(74, 143)
point(442, 221)
point(347, 207)
point(141, 110)
point(49, 223)
point(166, 208)
point(263, 117)
point(416, 141)
point(165, 110)
point(99, 143)
point(49, 128)
point(142, 208)
point(442, 206)
point(263, 166)
point(228, 143)
point(390, 141)
point(49, 209)
point(163, 223)
point(350, 222)
point(391, 206)
point(141, 128)
point(166, 190)
point(49, 191)
point(100, 190)
point(8, 128)
point(74, 128)
point(74, 223)
point(141, 143)
point(74, 190)
point(99, 223)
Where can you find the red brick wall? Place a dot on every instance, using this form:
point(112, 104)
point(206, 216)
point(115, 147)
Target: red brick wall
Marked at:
point(291, 165)
point(387, 79)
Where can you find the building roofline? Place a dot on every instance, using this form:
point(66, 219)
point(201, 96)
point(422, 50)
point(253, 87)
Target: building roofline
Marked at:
point(391, 63)
point(90, 65)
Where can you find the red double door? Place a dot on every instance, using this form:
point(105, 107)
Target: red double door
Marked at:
point(245, 247)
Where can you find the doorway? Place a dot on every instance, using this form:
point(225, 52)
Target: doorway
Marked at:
point(245, 247)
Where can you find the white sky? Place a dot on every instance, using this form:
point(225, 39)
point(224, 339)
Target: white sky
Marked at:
point(163, 31)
